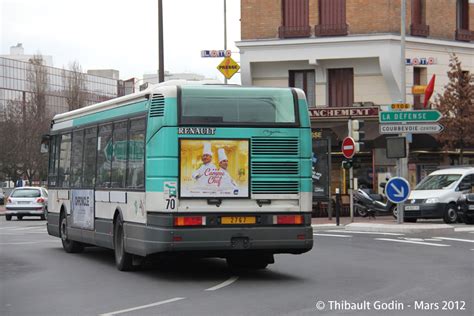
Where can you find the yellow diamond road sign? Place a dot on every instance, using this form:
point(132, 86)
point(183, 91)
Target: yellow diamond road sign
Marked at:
point(228, 67)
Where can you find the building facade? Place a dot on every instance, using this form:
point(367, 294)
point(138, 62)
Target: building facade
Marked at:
point(16, 87)
point(345, 54)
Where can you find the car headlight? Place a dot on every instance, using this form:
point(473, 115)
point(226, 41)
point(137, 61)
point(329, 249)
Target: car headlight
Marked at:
point(462, 198)
point(432, 201)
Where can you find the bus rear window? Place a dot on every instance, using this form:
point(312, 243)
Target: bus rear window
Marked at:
point(237, 106)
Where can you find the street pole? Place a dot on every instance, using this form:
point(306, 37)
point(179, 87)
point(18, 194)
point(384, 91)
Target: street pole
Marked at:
point(161, 58)
point(225, 31)
point(351, 177)
point(403, 162)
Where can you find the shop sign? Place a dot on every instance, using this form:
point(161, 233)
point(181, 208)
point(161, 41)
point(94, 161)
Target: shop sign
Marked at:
point(420, 61)
point(347, 112)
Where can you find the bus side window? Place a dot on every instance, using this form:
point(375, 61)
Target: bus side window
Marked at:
point(76, 158)
point(90, 151)
point(119, 155)
point(104, 156)
point(53, 161)
point(136, 155)
point(64, 160)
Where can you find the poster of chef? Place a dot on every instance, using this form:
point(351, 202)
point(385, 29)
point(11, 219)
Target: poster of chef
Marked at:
point(214, 168)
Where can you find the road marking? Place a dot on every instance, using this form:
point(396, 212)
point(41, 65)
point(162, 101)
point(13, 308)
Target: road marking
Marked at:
point(228, 282)
point(9, 227)
point(27, 242)
point(332, 235)
point(144, 306)
point(454, 239)
point(413, 242)
point(361, 232)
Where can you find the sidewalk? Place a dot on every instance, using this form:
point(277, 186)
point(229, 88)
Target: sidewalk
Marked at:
point(387, 224)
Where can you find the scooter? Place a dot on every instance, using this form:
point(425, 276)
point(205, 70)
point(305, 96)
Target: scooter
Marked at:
point(367, 203)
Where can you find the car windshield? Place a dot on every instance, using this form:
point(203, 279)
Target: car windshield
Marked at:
point(26, 193)
point(438, 182)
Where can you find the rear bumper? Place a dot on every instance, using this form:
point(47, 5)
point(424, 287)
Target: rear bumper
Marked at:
point(149, 240)
point(435, 210)
point(25, 210)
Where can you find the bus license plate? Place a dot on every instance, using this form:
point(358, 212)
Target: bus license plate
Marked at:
point(412, 207)
point(238, 220)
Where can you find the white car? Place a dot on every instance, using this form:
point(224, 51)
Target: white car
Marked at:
point(27, 201)
point(437, 194)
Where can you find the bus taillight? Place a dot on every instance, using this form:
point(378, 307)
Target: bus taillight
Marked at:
point(288, 219)
point(190, 221)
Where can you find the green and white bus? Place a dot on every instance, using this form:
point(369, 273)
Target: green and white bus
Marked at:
point(195, 169)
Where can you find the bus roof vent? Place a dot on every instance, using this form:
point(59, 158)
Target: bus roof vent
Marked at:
point(157, 108)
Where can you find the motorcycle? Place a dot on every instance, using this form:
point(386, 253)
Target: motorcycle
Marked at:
point(367, 203)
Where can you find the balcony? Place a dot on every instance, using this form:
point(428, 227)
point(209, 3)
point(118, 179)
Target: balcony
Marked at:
point(331, 30)
point(421, 30)
point(464, 35)
point(294, 31)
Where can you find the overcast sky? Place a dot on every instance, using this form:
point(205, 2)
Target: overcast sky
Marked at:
point(122, 34)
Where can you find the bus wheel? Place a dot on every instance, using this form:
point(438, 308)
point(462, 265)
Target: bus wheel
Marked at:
point(70, 246)
point(123, 260)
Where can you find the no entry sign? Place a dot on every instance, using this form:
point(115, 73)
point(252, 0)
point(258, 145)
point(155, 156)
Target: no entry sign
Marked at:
point(348, 147)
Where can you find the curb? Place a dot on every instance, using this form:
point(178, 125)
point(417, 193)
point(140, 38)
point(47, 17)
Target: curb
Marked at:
point(400, 228)
point(320, 227)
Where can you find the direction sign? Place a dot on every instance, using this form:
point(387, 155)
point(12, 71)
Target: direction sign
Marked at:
point(418, 89)
point(420, 128)
point(397, 190)
point(228, 67)
point(216, 53)
point(409, 116)
point(348, 147)
point(400, 106)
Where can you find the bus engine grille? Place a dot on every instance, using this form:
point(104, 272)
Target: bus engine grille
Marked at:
point(275, 146)
point(277, 168)
point(157, 108)
point(275, 187)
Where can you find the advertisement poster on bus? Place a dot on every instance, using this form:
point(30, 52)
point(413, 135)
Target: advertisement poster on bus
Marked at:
point(82, 209)
point(214, 168)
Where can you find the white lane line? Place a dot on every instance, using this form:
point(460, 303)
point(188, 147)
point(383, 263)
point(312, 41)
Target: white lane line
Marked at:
point(413, 242)
point(144, 306)
point(10, 227)
point(361, 232)
point(454, 239)
point(26, 228)
point(220, 286)
point(26, 242)
point(333, 235)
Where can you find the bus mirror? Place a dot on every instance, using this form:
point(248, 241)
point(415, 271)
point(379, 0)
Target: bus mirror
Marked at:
point(44, 144)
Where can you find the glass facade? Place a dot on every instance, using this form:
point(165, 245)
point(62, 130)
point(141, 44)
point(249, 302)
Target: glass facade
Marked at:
point(15, 88)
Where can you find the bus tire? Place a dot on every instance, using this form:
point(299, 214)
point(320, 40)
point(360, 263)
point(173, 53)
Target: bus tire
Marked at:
point(70, 246)
point(123, 260)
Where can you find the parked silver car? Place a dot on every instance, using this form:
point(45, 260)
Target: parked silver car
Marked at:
point(27, 201)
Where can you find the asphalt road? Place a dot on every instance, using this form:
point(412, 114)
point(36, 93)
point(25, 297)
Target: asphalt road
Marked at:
point(344, 268)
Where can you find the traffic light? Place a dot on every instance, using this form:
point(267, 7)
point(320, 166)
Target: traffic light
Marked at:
point(347, 163)
point(355, 131)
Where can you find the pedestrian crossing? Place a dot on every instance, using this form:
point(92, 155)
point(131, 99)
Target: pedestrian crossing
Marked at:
point(458, 240)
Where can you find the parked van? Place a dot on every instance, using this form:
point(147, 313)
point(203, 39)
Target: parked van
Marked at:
point(436, 195)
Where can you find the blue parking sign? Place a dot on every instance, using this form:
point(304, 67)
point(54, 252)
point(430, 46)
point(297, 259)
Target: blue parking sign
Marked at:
point(397, 190)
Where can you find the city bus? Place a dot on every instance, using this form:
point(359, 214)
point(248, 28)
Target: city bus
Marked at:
point(184, 169)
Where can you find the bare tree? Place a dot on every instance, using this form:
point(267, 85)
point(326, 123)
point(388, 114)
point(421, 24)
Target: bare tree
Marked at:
point(74, 83)
point(26, 121)
point(457, 106)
